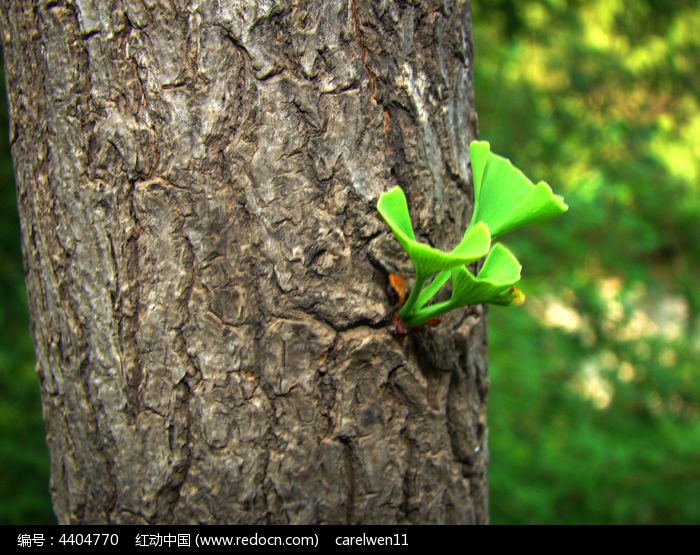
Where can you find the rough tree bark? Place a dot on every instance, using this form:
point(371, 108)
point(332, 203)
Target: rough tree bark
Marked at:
point(206, 269)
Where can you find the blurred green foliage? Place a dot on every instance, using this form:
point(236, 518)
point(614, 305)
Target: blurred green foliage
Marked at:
point(595, 400)
point(594, 409)
point(24, 459)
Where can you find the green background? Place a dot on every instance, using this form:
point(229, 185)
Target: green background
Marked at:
point(595, 390)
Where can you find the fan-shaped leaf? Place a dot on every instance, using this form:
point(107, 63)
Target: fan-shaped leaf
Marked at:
point(428, 260)
point(493, 284)
point(504, 198)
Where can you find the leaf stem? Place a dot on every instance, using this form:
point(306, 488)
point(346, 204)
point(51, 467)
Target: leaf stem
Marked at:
point(405, 312)
point(432, 288)
point(426, 314)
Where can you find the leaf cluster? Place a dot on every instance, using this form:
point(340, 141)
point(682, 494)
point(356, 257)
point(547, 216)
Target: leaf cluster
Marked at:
point(504, 200)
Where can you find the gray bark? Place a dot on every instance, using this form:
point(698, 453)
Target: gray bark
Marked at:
point(206, 269)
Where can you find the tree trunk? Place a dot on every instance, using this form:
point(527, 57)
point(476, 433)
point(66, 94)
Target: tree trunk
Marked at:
point(206, 269)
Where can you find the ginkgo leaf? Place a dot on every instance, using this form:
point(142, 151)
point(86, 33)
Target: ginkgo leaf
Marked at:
point(504, 198)
point(493, 284)
point(428, 260)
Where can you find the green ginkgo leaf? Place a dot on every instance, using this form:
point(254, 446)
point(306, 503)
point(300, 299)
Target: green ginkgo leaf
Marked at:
point(504, 198)
point(428, 260)
point(494, 282)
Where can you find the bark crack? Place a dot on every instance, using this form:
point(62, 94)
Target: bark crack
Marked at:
point(350, 477)
point(408, 481)
point(364, 52)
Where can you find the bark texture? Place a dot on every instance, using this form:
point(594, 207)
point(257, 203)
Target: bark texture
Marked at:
point(206, 269)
